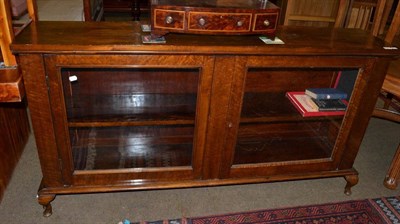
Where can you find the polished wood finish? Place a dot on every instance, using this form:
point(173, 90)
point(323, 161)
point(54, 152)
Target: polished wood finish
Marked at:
point(214, 17)
point(113, 114)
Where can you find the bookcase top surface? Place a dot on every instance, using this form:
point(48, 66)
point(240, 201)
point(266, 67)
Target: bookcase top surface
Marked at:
point(125, 37)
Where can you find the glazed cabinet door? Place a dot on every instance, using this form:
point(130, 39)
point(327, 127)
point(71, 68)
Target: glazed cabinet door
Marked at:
point(129, 119)
point(267, 137)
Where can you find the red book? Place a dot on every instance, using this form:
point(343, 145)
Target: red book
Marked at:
point(307, 107)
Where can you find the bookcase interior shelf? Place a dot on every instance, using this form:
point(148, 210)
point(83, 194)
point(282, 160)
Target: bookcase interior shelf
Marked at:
point(149, 113)
point(267, 115)
point(137, 147)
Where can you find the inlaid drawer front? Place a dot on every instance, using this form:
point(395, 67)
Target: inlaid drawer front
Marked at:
point(219, 22)
point(169, 19)
point(265, 21)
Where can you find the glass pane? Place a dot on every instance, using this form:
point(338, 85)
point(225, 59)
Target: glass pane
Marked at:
point(129, 118)
point(272, 129)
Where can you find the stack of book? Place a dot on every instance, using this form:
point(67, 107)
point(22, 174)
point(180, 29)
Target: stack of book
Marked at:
point(319, 102)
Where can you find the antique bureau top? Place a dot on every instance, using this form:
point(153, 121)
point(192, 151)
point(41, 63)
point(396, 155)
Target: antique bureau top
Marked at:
point(125, 37)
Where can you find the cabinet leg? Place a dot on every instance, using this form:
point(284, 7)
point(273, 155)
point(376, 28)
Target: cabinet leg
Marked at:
point(351, 181)
point(45, 200)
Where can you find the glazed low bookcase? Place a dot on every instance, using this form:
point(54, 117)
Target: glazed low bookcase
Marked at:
point(112, 114)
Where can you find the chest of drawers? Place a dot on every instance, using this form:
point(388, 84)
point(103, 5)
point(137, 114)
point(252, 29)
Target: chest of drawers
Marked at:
point(214, 17)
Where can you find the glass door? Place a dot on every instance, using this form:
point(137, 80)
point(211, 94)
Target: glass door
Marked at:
point(273, 136)
point(142, 121)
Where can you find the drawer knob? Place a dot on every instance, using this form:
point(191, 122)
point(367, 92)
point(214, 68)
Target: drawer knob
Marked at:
point(169, 20)
point(202, 21)
point(266, 22)
point(239, 23)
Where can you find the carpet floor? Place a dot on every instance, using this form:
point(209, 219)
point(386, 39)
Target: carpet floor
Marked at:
point(371, 211)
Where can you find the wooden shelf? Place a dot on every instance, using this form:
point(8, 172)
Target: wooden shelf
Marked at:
point(131, 147)
point(127, 122)
point(272, 107)
point(266, 143)
point(135, 109)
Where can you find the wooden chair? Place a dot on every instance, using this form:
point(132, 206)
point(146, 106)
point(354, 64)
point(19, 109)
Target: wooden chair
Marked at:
point(385, 16)
point(11, 85)
point(14, 123)
point(316, 12)
point(368, 14)
point(390, 94)
point(93, 10)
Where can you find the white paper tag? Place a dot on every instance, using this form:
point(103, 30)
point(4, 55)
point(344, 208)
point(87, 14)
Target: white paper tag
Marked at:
point(390, 48)
point(270, 41)
point(73, 78)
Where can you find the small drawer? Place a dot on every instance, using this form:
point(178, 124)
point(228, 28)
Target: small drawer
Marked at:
point(219, 22)
point(169, 19)
point(265, 21)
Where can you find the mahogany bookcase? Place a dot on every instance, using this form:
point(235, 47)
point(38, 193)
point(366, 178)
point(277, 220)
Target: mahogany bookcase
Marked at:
point(112, 114)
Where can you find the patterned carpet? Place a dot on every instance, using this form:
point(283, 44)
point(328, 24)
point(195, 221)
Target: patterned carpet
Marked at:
point(368, 211)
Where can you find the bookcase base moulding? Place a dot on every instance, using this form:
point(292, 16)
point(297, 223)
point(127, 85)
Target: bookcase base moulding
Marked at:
point(112, 114)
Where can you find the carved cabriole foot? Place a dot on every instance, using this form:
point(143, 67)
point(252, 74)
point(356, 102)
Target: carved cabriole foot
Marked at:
point(351, 181)
point(45, 199)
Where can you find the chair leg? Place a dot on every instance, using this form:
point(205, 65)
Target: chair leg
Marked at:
point(393, 174)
